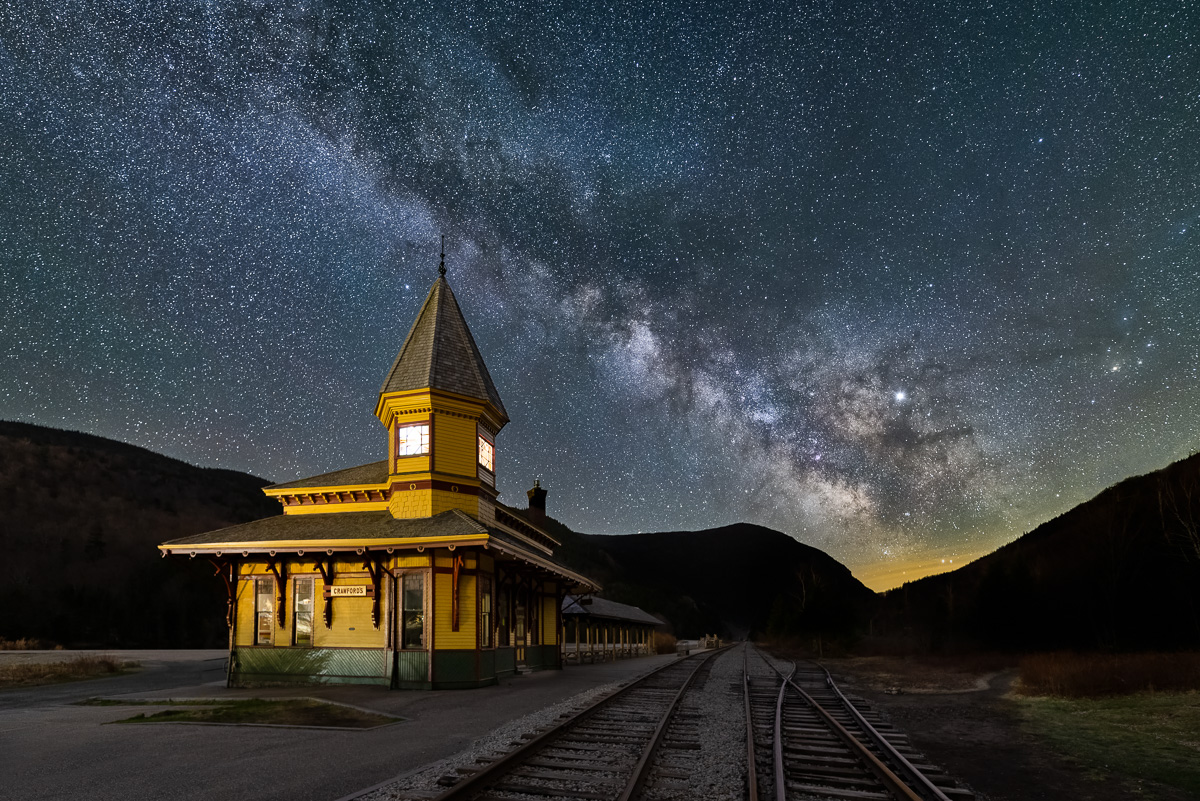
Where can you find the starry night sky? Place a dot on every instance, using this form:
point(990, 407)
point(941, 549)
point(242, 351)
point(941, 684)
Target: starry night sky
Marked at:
point(902, 280)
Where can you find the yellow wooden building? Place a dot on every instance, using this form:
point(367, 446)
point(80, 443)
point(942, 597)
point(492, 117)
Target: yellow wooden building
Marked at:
point(406, 572)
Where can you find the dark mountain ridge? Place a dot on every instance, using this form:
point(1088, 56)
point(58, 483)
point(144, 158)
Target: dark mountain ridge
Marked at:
point(735, 580)
point(1120, 571)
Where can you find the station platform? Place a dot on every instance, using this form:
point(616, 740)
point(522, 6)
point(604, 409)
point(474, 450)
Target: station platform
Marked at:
point(53, 748)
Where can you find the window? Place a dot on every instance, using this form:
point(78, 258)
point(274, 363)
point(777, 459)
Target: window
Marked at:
point(264, 608)
point(535, 631)
point(302, 611)
point(485, 612)
point(412, 440)
point(412, 611)
point(502, 614)
point(520, 615)
point(487, 455)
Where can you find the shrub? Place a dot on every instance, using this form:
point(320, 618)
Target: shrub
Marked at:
point(27, 644)
point(664, 643)
point(1073, 675)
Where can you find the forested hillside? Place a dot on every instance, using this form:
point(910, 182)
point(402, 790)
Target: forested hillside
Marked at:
point(1121, 571)
point(80, 517)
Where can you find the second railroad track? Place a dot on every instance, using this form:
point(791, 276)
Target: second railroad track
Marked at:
point(803, 740)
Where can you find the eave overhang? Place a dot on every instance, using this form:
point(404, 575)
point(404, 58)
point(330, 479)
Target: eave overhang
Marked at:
point(528, 557)
point(322, 547)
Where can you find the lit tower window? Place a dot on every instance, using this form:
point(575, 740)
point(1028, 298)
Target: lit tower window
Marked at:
point(412, 440)
point(487, 455)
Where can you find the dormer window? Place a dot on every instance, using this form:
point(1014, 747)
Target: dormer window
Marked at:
point(412, 440)
point(487, 455)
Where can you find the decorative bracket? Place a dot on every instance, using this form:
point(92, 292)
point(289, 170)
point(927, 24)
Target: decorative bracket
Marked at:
point(280, 570)
point(376, 570)
point(327, 579)
point(225, 571)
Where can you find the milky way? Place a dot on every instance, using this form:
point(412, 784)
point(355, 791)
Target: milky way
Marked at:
point(901, 280)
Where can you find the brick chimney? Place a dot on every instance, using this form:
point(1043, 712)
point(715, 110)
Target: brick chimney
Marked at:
point(537, 502)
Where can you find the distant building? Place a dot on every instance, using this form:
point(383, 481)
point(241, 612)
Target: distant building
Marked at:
point(406, 572)
point(598, 629)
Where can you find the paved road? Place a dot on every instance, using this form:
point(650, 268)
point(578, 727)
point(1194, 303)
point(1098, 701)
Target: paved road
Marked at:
point(51, 749)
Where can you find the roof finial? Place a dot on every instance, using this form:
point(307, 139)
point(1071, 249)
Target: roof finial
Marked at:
point(442, 264)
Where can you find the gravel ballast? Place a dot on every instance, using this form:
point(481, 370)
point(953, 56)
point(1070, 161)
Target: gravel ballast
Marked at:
point(423, 782)
point(713, 771)
point(717, 770)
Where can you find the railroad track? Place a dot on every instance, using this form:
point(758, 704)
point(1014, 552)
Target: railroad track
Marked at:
point(806, 740)
point(609, 750)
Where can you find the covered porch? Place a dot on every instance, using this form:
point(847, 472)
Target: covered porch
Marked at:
point(598, 630)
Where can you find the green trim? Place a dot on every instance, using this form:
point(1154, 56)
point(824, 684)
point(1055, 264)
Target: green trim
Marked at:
point(506, 661)
point(542, 657)
point(456, 667)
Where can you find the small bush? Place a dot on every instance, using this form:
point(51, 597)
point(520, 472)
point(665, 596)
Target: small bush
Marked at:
point(664, 643)
point(27, 644)
point(1072, 675)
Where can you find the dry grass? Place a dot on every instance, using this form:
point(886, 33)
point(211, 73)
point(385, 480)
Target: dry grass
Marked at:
point(86, 666)
point(28, 644)
point(919, 675)
point(664, 643)
point(1071, 675)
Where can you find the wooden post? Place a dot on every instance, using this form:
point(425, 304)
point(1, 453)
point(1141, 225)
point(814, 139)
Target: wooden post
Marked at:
point(456, 566)
point(578, 655)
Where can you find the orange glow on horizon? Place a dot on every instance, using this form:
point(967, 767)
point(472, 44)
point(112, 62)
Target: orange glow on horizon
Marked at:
point(887, 575)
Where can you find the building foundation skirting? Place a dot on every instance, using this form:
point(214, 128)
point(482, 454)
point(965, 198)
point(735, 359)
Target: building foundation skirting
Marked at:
point(462, 669)
point(406, 670)
point(251, 666)
point(542, 657)
point(506, 661)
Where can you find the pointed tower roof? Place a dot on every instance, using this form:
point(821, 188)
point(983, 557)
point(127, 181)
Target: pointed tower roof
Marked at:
point(440, 353)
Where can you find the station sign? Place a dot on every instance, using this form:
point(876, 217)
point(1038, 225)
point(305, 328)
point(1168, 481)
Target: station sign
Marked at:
point(350, 591)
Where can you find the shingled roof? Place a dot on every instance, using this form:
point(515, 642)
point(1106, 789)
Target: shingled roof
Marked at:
point(607, 610)
point(439, 352)
point(373, 473)
point(354, 526)
point(351, 530)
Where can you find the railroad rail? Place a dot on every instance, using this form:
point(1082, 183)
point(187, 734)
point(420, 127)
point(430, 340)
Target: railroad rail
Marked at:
point(604, 752)
point(806, 739)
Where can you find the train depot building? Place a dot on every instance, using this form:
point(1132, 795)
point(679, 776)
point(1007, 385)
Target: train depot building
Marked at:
point(406, 572)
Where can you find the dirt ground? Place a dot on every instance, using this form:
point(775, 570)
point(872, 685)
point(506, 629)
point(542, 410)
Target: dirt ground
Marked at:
point(967, 723)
